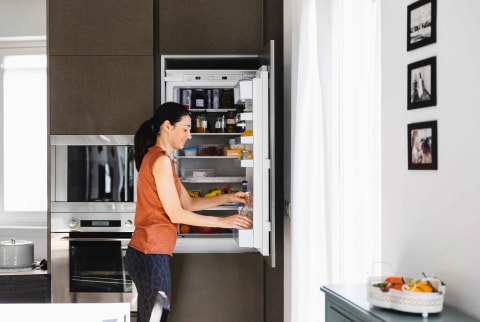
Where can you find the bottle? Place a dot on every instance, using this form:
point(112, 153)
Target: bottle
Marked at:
point(186, 97)
point(220, 124)
point(244, 189)
point(198, 100)
point(230, 126)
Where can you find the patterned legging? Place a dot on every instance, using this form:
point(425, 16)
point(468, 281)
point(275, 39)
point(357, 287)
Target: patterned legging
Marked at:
point(151, 275)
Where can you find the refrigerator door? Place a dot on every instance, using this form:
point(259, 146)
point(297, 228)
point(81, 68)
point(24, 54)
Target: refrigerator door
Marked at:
point(259, 170)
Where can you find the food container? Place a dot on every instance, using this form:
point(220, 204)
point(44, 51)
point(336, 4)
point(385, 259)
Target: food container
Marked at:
point(233, 153)
point(211, 150)
point(197, 173)
point(190, 152)
point(16, 254)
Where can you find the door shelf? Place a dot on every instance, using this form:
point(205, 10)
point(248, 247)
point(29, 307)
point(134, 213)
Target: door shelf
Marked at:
point(212, 110)
point(212, 179)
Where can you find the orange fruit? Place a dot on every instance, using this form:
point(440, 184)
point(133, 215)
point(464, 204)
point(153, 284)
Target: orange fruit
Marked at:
point(184, 229)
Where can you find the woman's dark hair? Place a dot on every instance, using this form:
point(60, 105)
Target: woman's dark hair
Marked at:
point(146, 135)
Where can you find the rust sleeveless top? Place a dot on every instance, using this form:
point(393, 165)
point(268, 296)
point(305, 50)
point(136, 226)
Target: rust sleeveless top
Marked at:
point(154, 232)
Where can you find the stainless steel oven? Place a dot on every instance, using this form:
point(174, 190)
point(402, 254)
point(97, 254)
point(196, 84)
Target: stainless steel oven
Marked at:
point(92, 173)
point(87, 261)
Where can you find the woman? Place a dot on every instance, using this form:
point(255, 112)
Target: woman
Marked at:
point(163, 203)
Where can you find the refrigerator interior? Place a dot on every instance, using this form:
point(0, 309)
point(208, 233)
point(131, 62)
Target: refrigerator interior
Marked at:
point(214, 165)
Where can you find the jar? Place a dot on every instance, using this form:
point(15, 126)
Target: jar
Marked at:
point(247, 209)
point(230, 126)
point(198, 99)
point(227, 98)
point(246, 155)
point(201, 123)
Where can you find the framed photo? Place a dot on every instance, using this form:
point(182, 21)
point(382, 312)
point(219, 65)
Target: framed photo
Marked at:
point(421, 24)
point(422, 83)
point(422, 146)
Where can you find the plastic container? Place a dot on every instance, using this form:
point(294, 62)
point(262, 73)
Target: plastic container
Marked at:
point(197, 173)
point(190, 152)
point(211, 150)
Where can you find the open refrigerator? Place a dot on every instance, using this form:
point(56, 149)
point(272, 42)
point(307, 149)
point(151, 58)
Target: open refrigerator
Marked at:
point(219, 161)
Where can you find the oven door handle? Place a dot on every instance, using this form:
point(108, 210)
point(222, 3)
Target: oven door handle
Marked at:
point(93, 239)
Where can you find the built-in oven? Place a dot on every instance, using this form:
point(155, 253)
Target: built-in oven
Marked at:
point(87, 261)
point(92, 173)
point(92, 209)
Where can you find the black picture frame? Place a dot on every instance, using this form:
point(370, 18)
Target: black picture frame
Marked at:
point(421, 24)
point(422, 146)
point(422, 83)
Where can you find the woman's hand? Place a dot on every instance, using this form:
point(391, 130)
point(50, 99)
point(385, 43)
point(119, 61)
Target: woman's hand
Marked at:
point(240, 197)
point(237, 221)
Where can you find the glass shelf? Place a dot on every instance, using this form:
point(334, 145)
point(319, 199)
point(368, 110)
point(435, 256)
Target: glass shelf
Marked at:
point(212, 179)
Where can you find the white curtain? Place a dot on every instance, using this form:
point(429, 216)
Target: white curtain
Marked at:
point(334, 228)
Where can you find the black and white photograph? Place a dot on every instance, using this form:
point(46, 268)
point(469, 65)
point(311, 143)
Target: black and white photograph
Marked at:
point(421, 24)
point(422, 83)
point(422, 146)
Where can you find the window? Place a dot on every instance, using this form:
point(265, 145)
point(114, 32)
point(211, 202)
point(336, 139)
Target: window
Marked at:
point(23, 102)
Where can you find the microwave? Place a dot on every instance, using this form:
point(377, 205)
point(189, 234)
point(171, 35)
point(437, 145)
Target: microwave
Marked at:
point(92, 173)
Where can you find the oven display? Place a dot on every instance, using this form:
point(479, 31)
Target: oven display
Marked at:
point(100, 223)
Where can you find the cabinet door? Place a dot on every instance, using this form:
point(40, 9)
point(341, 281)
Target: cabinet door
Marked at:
point(210, 26)
point(334, 313)
point(100, 94)
point(217, 287)
point(100, 27)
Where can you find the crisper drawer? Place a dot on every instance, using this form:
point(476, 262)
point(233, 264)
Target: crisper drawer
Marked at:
point(209, 244)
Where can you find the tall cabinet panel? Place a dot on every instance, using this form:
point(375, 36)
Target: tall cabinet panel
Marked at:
point(101, 66)
point(100, 94)
point(210, 26)
point(100, 27)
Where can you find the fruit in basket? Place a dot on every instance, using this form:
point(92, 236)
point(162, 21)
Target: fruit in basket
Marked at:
point(419, 286)
point(391, 282)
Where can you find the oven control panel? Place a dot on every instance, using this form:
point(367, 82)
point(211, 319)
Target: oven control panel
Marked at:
point(92, 222)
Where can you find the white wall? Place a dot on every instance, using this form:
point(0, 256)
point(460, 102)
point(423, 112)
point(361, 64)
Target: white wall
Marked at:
point(24, 18)
point(20, 18)
point(431, 219)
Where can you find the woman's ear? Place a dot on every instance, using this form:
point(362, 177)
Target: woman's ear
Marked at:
point(167, 125)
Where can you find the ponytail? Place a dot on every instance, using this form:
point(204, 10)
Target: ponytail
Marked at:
point(145, 137)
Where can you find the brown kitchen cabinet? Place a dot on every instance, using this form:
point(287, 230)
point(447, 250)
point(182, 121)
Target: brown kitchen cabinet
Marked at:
point(100, 27)
point(210, 27)
point(99, 94)
point(217, 287)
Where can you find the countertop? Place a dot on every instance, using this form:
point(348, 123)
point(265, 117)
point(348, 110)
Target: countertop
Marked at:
point(356, 296)
point(24, 271)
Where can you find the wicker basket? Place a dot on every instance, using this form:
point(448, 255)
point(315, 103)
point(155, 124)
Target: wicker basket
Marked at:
point(407, 301)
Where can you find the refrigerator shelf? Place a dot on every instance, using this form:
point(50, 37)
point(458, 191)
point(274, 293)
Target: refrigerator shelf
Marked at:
point(220, 235)
point(216, 134)
point(212, 110)
point(211, 179)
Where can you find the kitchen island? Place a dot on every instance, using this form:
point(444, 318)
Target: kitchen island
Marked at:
point(348, 302)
